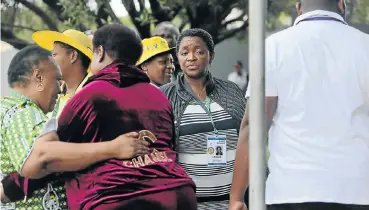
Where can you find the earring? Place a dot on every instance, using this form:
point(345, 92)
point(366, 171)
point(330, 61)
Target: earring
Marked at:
point(40, 87)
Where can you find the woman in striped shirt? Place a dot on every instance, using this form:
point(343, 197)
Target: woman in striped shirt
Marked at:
point(208, 112)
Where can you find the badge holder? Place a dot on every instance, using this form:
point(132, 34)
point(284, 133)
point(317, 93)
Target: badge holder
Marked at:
point(216, 144)
point(50, 201)
point(217, 150)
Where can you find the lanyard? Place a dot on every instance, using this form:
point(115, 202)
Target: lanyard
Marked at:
point(56, 108)
point(205, 106)
point(57, 105)
point(207, 109)
point(317, 18)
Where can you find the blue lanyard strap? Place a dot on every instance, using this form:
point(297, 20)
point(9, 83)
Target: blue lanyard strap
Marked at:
point(318, 18)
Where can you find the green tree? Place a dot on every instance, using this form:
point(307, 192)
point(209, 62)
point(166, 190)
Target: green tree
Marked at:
point(221, 18)
point(359, 12)
point(20, 18)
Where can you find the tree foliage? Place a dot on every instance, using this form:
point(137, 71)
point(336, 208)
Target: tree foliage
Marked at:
point(221, 18)
point(22, 17)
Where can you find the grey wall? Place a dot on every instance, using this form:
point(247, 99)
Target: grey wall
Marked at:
point(226, 55)
point(6, 57)
point(228, 52)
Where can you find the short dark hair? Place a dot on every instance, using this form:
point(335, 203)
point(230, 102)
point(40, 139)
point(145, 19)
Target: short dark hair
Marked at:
point(240, 63)
point(197, 32)
point(84, 59)
point(23, 62)
point(119, 42)
point(323, 4)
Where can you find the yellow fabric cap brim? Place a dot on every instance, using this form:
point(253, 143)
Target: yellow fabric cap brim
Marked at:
point(150, 55)
point(46, 39)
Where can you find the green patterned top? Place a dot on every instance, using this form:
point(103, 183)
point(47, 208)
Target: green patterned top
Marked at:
point(21, 122)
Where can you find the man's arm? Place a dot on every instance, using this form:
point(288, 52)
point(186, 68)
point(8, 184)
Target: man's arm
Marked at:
point(241, 169)
point(78, 123)
point(49, 155)
point(55, 156)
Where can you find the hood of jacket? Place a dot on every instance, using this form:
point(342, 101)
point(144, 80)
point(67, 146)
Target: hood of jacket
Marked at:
point(120, 74)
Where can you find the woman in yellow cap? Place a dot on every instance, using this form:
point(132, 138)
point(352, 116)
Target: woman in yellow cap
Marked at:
point(71, 50)
point(157, 60)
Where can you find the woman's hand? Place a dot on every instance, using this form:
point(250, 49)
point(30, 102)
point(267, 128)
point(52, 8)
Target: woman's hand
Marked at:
point(128, 145)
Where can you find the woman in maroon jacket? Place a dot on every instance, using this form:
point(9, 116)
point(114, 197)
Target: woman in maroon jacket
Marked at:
point(119, 98)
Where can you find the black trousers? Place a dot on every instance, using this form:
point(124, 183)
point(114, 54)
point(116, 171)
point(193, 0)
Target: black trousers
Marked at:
point(317, 206)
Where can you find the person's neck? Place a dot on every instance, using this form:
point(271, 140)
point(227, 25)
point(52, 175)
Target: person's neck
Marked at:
point(306, 9)
point(28, 92)
point(108, 61)
point(74, 80)
point(198, 86)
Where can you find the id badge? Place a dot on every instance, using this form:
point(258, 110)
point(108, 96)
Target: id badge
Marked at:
point(217, 150)
point(6, 206)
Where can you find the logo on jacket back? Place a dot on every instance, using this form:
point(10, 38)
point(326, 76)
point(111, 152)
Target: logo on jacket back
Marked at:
point(147, 136)
point(154, 157)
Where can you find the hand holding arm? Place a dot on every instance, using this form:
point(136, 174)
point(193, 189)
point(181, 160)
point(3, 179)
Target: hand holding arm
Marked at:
point(50, 155)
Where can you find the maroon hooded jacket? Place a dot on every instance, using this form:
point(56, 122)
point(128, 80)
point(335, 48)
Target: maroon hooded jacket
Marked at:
point(119, 99)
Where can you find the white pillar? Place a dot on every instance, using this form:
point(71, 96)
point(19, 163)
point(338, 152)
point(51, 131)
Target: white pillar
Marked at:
point(257, 22)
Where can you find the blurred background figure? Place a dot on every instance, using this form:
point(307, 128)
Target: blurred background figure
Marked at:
point(170, 32)
point(157, 60)
point(239, 76)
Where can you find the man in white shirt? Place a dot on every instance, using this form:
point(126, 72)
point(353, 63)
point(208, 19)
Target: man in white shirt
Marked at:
point(317, 105)
point(239, 76)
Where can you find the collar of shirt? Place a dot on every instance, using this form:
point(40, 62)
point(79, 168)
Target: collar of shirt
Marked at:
point(154, 85)
point(63, 99)
point(319, 13)
point(15, 94)
point(80, 86)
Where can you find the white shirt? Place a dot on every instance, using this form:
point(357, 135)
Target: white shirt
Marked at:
point(240, 81)
point(319, 138)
